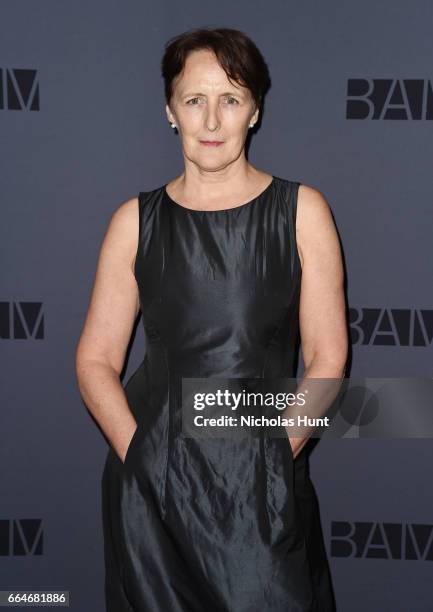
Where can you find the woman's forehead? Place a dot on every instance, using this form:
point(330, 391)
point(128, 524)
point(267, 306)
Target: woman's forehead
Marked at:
point(204, 73)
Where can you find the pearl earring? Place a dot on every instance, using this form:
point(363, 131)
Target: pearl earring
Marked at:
point(173, 125)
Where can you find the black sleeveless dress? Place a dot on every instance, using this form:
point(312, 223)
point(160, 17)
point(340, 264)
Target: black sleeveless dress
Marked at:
point(231, 526)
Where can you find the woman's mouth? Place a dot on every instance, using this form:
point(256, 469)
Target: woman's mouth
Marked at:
point(211, 143)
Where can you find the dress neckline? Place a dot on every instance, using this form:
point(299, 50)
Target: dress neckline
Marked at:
point(220, 210)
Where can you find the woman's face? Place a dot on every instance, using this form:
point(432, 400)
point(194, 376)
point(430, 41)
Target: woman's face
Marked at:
point(205, 106)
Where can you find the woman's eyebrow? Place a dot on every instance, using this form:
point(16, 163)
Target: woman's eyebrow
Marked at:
point(226, 93)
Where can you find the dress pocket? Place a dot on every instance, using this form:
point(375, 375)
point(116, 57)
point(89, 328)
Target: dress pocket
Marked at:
point(279, 438)
point(279, 459)
point(284, 437)
point(131, 446)
point(290, 449)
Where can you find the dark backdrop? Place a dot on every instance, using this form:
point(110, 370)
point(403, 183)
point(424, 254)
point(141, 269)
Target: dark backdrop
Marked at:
point(83, 128)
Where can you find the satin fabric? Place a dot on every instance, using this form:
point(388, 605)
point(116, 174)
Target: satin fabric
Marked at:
point(215, 525)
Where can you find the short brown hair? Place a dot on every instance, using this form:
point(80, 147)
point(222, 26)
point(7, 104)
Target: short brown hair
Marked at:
point(236, 52)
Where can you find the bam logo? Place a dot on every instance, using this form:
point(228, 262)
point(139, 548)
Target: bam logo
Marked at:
point(21, 321)
point(21, 537)
point(19, 89)
point(364, 540)
point(391, 327)
point(402, 99)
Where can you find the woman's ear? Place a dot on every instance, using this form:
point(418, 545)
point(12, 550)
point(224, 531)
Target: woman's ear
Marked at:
point(169, 114)
point(255, 116)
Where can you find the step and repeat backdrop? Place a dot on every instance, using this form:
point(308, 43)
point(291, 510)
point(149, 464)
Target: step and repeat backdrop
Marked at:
point(83, 128)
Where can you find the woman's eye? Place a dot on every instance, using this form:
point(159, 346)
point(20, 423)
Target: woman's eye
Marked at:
point(231, 101)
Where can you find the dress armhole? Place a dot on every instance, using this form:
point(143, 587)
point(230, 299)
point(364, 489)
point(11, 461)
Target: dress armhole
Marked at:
point(140, 214)
point(293, 208)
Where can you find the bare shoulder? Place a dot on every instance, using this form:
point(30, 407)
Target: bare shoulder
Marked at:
point(314, 221)
point(312, 205)
point(126, 213)
point(122, 232)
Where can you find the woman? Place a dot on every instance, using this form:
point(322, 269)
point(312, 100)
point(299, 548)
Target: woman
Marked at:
point(213, 259)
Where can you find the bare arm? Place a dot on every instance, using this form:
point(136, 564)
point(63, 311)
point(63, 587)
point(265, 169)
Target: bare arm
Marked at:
point(322, 315)
point(113, 308)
